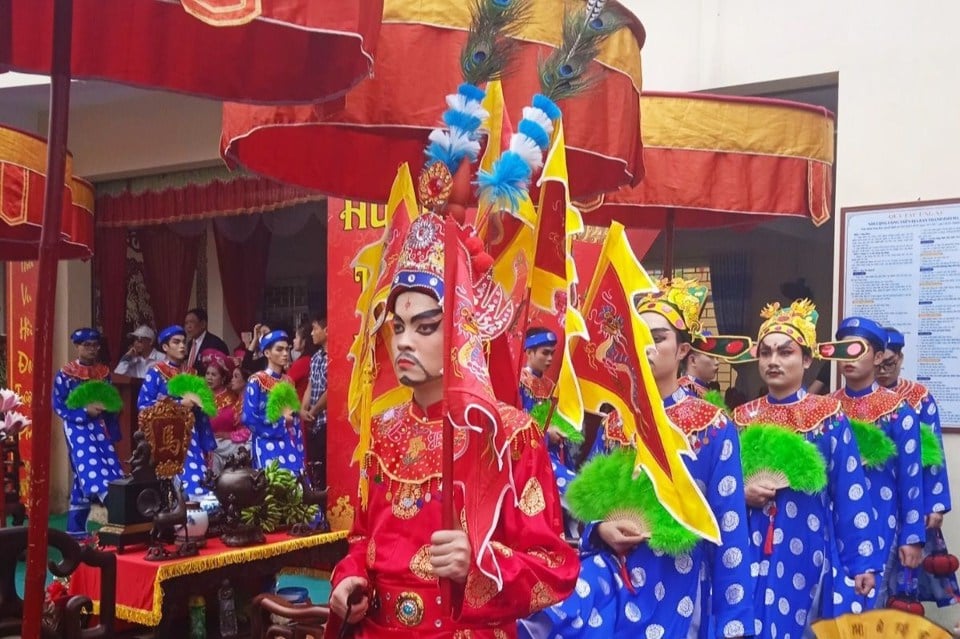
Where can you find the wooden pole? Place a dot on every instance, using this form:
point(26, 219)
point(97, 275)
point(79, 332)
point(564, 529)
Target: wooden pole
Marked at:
point(448, 512)
point(35, 581)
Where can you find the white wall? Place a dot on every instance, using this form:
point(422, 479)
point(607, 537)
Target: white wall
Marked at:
point(150, 132)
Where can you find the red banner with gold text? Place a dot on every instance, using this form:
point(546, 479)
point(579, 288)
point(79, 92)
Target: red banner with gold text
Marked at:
point(351, 225)
point(21, 319)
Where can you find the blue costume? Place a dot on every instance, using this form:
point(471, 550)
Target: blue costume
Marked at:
point(942, 589)
point(202, 441)
point(651, 594)
point(90, 440)
point(271, 440)
point(809, 532)
point(536, 388)
point(895, 483)
point(820, 518)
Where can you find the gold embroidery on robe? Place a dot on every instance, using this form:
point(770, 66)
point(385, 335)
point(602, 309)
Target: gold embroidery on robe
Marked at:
point(479, 589)
point(405, 501)
point(541, 597)
point(371, 553)
point(420, 564)
point(532, 501)
point(463, 634)
point(506, 551)
point(552, 559)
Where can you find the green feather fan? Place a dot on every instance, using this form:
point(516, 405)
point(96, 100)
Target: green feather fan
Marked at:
point(281, 397)
point(565, 71)
point(768, 450)
point(488, 49)
point(875, 447)
point(195, 389)
point(539, 415)
point(95, 392)
point(931, 453)
point(606, 490)
point(715, 397)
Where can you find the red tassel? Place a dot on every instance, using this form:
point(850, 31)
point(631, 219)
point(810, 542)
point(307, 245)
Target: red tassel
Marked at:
point(625, 575)
point(768, 542)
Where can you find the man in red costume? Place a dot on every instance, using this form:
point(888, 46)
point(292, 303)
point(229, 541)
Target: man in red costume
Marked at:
point(507, 557)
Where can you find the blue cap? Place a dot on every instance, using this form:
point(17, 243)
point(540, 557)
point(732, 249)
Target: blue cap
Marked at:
point(170, 332)
point(545, 338)
point(86, 334)
point(863, 328)
point(895, 340)
point(272, 338)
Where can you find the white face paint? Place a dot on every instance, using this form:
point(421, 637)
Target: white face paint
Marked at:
point(417, 340)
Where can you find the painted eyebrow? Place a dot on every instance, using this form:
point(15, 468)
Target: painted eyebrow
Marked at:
point(420, 317)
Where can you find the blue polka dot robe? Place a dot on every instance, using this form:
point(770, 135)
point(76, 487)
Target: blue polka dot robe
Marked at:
point(271, 440)
point(896, 488)
point(652, 595)
point(936, 499)
point(806, 533)
point(90, 441)
point(201, 442)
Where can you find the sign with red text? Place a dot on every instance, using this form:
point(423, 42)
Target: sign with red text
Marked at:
point(21, 338)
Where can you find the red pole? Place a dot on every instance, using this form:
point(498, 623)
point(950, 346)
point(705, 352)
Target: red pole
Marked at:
point(448, 517)
point(669, 230)
point(35, 581)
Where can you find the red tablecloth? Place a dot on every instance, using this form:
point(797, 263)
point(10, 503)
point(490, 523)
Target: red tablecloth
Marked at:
point(140, 582)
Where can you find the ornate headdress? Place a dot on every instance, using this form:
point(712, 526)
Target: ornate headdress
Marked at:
point(799, 322)
point(682, 302)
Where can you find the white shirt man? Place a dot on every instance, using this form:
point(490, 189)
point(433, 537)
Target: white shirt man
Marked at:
point(141, 356)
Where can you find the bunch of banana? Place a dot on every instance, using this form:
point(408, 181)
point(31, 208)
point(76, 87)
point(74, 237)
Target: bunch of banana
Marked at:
point(283, 504)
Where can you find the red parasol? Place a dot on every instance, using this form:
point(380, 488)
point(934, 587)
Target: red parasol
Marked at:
point(716, 160)
point(351, 148)
point(250, 50)
point(22, 183)
point(286, 50)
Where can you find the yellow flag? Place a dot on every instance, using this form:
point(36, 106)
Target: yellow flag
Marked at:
point(370, 393)
point(612, 368)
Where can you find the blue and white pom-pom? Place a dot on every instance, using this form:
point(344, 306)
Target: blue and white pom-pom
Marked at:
point(463, 117)
point(509, 179)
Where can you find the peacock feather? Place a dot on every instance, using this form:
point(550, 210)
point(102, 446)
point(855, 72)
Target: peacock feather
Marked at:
point(489, 47)
point(565, 71)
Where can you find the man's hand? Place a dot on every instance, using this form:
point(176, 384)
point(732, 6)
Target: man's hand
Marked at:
point(864, 583)
point(94, 411)
point(340, 595)
point(758, 494)
point(306, 416)
point(450, 555)
point(910, 555)
point(621, 535)
point(189, 403)
point(554, 434)
point(934, 520)
point(288, 416)
point(132, 352)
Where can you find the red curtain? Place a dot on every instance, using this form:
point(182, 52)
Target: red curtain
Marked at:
point(169, 267)
point(110, 266)
point(243, 273)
